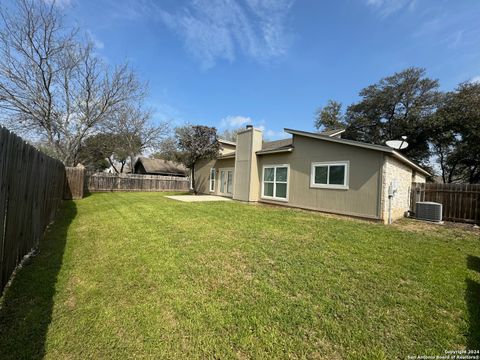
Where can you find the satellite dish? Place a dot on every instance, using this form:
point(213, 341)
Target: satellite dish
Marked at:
point(397, 144)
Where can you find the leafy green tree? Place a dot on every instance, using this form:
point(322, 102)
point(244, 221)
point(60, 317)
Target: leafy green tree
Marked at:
point(135, 131)
point(330, 116)
point(168, 150)
point(100, 151)
point(443, 141)
point(397, 105)
point(455, 134)
point(196, 142)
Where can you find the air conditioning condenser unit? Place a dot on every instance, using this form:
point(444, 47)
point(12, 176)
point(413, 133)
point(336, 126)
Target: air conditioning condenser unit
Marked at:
point(429, 211)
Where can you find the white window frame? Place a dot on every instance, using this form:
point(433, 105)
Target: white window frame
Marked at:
point(212, 181)
point(275, 166)
point(345, 185)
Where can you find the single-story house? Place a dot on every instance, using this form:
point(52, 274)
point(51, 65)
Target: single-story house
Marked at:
point(149, 166)
point(317, 171)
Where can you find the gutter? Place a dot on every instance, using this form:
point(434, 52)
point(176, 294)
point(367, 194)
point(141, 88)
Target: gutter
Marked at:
point(273, 151)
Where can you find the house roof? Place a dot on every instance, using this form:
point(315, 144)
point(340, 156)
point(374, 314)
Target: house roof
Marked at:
point(227, 142)
point(286, 145)
point(359, 144)
point(160, 166)
point(333, 132)
point(270, 145)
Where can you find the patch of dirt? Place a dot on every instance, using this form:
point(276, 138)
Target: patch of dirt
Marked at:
point(424, 226)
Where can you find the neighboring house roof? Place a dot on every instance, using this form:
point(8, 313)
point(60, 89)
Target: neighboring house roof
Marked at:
point(383, 148)
point(160, 166)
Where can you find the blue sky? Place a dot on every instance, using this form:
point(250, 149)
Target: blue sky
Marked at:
point(226, 63)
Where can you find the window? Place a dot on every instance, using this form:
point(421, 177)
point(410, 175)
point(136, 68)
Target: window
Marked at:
point(212, 179)
point(275, 182)
point(328, 175)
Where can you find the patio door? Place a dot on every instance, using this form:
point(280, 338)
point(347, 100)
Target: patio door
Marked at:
point(226, 182)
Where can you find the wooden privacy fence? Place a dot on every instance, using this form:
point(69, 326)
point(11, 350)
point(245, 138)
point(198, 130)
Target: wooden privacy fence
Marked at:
point(461, 202)
point(75, 182)
point(31, 190)
point(134, 182)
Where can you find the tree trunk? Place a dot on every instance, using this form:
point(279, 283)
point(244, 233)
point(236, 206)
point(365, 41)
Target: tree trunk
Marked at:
point(193, 179)
point(111, 163)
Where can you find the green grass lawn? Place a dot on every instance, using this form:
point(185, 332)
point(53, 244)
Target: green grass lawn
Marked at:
point(137, 275)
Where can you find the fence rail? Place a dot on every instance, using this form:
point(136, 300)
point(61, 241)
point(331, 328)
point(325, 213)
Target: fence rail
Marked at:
point(134, 182)
point(31, 190)
point(461, 202)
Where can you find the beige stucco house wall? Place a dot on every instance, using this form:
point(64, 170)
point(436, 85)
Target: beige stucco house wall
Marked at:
point(360, 199)
point(370, 171)
point(203, 167)
point(202, 174)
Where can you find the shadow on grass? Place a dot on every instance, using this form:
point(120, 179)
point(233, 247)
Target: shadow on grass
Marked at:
point(472, 298)
point(473, 263)
point(26, 309)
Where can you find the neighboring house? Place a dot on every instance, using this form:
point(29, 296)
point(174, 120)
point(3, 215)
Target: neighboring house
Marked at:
point(118, 166)
point(317, 171)
point(149, 166)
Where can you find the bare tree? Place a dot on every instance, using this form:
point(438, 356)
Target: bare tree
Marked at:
point(52, 84)
point(230, 134)
point(136, 130)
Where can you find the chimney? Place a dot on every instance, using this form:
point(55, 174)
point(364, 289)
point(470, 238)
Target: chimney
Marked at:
point(247, 181)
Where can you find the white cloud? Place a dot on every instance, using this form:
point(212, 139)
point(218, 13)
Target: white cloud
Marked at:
point(270, 134)
point(388, 7)
point(99, 44)
point(475, 79)
point(220, 29)
point(233, 122)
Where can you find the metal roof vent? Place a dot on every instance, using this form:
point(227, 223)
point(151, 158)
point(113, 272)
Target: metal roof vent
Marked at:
point(429, 211)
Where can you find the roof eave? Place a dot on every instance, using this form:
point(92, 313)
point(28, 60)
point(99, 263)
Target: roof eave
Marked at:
point(411, 163)
point(226, 156)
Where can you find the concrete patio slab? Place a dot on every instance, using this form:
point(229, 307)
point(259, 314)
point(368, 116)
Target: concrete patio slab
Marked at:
point(198, 198)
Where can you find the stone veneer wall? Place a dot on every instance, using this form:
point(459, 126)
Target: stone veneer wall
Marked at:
point(418, 178)
point(394, 169)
